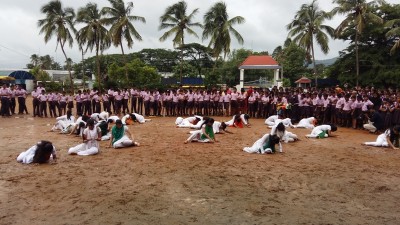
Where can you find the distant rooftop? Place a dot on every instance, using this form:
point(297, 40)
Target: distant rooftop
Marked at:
point(259, 62)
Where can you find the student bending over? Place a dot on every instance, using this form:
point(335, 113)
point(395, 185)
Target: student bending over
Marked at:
point(40, 153)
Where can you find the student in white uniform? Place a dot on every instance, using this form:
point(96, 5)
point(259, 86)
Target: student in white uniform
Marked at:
point(100, 116)
point(308, 123)
point(220, 127)
point(286, 122)
point(387, 139)
point(239, 121)
point(266, 144)
point(121, 137)
point(113, 119)
point(64, 123)
point(139, 118)
point(322, 131)
point(42, 152)
point(188, 122)
point(205, 134)
point(270, 121)
point(79, 125)
point(91, 137)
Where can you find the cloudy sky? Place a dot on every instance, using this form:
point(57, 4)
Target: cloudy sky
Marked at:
point(264, 30)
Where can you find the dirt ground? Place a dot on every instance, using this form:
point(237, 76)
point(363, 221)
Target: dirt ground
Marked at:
point(164, 181)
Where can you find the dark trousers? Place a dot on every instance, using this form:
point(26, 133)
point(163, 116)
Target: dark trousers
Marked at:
point(79, 108)
point(22, 105)
point(36, 107)
point(43, 109)
point(5, 106)
point(12, 105)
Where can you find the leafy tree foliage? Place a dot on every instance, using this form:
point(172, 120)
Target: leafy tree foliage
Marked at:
point(139, 75)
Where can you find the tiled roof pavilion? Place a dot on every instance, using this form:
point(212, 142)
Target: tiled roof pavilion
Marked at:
point(259, 62)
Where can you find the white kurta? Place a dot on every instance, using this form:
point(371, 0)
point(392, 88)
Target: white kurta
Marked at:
point(26, 157)
point(306, 123)
point(91, 146)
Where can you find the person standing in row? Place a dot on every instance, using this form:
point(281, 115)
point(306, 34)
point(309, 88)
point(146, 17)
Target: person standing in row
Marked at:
point(5, 100)
point(78, 99)
point(21, 96)
point(43, 104)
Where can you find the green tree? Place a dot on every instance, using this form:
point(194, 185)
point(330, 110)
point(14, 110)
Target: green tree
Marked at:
point(175, 19)
point(292, 59)
point(139, 74)
point(307, 27)
point(394, 33)
point(357, 15)
point(198, 56)
point(39, 74)
point(120, 19)
point(163, 59)
point(218, 27)
point(69, 63)
point(58, 22)
point(93, 34)
point(35, 60)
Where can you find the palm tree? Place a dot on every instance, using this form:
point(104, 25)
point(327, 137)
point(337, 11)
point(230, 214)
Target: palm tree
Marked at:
point(35, 60)
point(218, 27)
point(120, 19)
point(308, 27)
point(59, 23)
point(93, 34)
point(69, 63)
point(176, 20)
point(394, 32)
point(358, 14)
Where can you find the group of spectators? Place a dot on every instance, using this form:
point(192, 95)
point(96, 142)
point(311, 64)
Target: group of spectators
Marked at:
point(344, 107)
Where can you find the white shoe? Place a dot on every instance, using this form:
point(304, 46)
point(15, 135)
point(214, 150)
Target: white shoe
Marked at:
point(268, 151)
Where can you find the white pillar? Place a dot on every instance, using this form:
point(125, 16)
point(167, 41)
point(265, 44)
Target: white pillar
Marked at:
point(241, 79)
point(276, 77)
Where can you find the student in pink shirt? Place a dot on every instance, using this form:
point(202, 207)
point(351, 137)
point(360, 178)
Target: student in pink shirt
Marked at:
point(43, 104)
point(63, 104)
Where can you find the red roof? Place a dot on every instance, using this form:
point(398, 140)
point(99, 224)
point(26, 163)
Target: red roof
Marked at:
point(303, 80)
point(259, 60)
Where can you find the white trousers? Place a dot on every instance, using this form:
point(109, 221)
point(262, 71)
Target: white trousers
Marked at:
point(380, 141)
point(289, 137)
point(370, 127)
point(195, 136)
point(123, 142)
point(82, 149)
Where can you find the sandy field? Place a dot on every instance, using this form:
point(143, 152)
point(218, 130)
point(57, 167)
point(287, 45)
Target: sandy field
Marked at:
point(164, 181)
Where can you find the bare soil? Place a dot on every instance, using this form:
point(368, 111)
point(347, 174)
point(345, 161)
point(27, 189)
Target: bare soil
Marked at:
point(164, 181)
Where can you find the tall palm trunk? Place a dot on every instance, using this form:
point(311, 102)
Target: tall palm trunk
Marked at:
point(124, 62)
point(315, 68)
point(357, 63)
point(180, 77)
point(69, 69)
point(83, 69)
point(98, 65)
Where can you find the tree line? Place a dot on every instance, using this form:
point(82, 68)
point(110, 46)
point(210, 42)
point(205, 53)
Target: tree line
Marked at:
point(371, 29)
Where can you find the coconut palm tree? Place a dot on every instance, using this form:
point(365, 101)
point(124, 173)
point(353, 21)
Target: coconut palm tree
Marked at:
point(93, 34)
point(358, 14)
point(219, 28)
point(394, 32)
point(120, 19)
point(177, 21)
point(35, 60)
point(59, 23)
point(307, 27)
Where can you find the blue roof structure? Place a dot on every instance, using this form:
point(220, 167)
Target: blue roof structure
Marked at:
point(22, 75)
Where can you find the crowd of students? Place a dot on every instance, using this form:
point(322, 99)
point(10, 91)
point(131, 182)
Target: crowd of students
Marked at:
point(374, 110)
